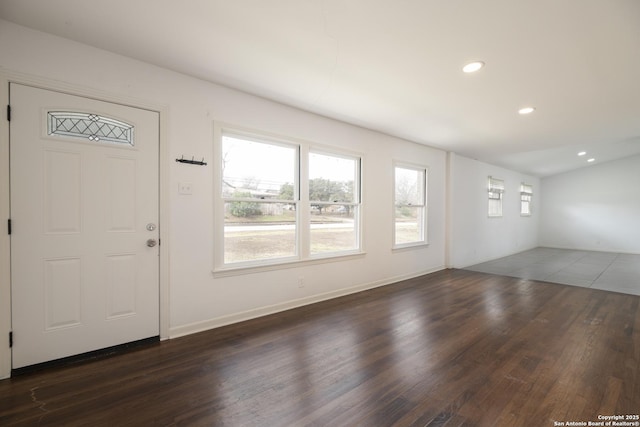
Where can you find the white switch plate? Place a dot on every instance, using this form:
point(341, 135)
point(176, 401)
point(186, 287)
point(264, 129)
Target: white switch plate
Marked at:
point(185, 188)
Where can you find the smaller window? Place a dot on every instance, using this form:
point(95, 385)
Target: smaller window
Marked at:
point(410, 195)
point(334, 203)
point(526, 194)
point(496, 191)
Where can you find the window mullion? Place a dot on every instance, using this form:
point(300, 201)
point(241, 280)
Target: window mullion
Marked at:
point(304, 207)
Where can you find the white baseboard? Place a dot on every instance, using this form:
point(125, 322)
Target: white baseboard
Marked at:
point(217, 322)
point(610, 251)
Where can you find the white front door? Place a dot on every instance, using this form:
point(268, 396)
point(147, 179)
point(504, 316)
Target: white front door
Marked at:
point(84, 211)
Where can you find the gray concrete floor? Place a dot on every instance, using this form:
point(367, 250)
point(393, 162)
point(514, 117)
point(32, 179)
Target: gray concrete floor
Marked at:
point(597, 270)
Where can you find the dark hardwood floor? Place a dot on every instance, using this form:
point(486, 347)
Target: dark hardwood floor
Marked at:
point(454, 348)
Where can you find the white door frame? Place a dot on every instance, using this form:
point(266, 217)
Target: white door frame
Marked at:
point(5, 247)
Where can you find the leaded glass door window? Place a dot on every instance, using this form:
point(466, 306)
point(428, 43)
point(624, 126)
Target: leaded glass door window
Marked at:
point(89, 126)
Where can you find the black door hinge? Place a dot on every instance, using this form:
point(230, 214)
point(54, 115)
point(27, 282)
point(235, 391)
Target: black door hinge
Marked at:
point(8, 112)
point(9, 225)
point(11, 339)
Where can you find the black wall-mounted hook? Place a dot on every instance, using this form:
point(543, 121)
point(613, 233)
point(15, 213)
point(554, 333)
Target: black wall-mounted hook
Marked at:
point(192, 162)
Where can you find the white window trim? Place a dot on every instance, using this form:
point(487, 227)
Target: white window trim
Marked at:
point(425, 222)
point(303, 255)
point(239, 271)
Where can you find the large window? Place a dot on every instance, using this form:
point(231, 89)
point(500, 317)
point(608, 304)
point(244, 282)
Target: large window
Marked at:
point(410, 197)
point(496, 192)
point(526, 194)
point(260, 196)
point(283, 201)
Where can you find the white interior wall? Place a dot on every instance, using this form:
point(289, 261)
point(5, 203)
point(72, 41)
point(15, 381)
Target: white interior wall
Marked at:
point(197, 300)
point(594, 208)
point(474, 237)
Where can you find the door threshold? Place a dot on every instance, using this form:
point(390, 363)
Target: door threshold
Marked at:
point(90, 356)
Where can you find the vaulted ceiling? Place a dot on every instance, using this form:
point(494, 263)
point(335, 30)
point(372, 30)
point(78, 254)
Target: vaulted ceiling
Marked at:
point(396, 65)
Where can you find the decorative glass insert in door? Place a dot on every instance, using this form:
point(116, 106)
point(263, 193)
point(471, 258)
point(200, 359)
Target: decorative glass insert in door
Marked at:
point(89, 126)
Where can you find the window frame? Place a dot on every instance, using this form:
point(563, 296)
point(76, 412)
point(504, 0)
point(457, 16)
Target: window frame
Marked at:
point(356, 203)
point(301, 198)
point(276, 142)
point(495, 186)
point(424, 206)
point(526, 197)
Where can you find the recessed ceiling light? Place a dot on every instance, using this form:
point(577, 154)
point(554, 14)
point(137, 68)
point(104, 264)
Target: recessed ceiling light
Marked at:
point(582, 153)
point(526, 110)
point(472, 67)
point(591, 160)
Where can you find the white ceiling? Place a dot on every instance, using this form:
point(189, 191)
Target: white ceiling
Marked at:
point(396, 65)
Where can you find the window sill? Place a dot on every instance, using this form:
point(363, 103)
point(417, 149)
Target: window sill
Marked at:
point(241, 270)
point(409, 247)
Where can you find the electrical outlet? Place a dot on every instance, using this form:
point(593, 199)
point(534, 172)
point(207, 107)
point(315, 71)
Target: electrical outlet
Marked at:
point(185, 188)
point(301, 282)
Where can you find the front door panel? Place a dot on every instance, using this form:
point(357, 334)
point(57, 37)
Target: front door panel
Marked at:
point(84, 187)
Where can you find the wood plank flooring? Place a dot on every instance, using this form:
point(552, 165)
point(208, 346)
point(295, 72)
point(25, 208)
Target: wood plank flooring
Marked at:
point(454, 348)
